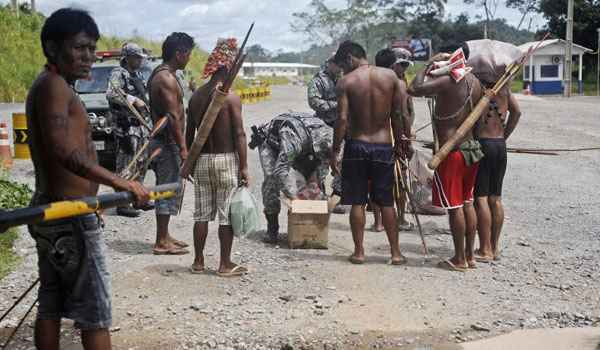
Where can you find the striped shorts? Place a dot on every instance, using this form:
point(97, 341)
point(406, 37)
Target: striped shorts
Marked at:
point(215, 176)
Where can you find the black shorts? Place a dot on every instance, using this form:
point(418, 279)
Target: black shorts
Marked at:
point(491, 168)
point(366, 163)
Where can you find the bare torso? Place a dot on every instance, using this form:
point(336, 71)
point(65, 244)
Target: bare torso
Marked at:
point(491, 124)
point(370, 91)
point(53, 179)
point(453, 99)
point(166, 96)
point(221, 138)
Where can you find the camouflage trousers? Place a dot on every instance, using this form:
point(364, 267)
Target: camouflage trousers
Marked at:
point(336, 183)
point(124, 157)
point(271, 188)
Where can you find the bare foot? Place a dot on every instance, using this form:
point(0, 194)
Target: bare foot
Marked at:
point(168, 249)
point(197, 268)
point(231, 270)
point(398, 260)
point(180, 244)
point(356, 259)
point(471, 263)
point(376, 228)
point(482, 256)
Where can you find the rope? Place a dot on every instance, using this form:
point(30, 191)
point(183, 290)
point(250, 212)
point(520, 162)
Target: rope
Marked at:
point(19, 325)
point(20, 299)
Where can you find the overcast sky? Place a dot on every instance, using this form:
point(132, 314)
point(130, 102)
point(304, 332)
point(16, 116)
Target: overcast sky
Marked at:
point(207, 20)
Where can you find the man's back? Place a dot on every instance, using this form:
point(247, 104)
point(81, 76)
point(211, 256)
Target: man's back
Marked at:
point(222, 135)
point(370, 91)
point(491, 124)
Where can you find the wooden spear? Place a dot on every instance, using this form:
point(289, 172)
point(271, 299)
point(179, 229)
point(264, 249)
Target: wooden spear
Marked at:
point(217, 102)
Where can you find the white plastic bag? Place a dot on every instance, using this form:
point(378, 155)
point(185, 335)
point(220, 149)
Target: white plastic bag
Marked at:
point(243, 211)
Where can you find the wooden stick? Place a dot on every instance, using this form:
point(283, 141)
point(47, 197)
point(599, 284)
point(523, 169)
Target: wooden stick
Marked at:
point(412, 203)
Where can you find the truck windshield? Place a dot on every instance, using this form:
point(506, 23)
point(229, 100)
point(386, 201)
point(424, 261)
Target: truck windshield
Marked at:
point(98, 83)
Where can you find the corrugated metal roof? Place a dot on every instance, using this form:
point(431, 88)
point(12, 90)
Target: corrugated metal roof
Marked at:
point(525, 47)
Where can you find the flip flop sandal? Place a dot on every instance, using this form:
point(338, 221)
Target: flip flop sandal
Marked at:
point(355, 260)
point(180, 244)
point(449, 265)
point(235, 272)
point(196, 271)
point(483, 259)
point(400, 262)
point(172, 251)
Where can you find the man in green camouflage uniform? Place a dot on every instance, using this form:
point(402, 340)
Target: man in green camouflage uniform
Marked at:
point(130, 133)
point(291, 141)
point(323, 100)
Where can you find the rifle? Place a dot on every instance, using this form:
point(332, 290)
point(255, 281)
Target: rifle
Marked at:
point(159, 126)
point(123, 98)
point(212, 111)
point(76, 207)
point(484, 103)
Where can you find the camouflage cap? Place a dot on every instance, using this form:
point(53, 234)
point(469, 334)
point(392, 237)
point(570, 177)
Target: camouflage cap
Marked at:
point(132, 49)
point(402, 55)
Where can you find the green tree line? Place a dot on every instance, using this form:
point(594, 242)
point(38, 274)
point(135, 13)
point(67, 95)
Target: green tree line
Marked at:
point(21, 56)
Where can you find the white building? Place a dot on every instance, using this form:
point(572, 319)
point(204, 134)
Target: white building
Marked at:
point(276, 69)
point(544, 71)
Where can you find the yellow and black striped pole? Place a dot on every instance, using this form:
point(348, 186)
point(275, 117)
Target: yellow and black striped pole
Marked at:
point(76, 207)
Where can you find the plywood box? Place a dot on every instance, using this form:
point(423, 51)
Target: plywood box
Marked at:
point(308, 224)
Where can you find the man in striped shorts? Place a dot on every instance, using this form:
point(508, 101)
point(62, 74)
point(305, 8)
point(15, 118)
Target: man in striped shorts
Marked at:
point(222, 165)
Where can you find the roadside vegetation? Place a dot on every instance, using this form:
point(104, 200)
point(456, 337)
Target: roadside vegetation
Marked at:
point(21, 57)
point(12, 195)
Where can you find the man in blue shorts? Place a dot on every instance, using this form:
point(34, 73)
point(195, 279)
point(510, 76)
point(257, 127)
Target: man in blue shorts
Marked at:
point(372, 100)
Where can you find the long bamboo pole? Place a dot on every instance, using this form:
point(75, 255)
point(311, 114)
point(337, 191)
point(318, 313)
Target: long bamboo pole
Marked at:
point(210, 116)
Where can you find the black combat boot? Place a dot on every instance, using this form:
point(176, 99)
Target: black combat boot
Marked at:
point(272, 228)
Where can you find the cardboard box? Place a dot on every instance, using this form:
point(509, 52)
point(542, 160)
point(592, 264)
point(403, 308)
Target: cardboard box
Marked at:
point(308, 224)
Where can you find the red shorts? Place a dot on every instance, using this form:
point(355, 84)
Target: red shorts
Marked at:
point(453, 182)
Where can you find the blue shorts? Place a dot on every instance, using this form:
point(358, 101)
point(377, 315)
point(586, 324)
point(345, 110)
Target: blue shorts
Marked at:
point(366, 163)
point(77, 288)
point(167, 166)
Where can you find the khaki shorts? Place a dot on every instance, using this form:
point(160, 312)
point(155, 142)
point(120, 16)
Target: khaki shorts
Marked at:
point(215, 176)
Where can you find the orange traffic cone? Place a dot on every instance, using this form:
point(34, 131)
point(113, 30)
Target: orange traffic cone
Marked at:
point(5, 154)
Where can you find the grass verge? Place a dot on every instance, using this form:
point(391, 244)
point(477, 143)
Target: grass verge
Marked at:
point(8, 258)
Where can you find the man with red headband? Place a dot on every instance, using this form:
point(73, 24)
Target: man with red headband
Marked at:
point(222, 165)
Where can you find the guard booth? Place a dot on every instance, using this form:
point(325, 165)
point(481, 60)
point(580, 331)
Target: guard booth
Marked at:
point(544, 73)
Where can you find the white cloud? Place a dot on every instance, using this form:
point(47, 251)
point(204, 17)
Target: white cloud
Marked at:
point(207, 20)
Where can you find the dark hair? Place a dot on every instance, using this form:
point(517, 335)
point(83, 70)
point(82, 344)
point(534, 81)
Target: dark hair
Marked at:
point(176, 42)
point(385, 58)
point(64, 24)
point(346, 48)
